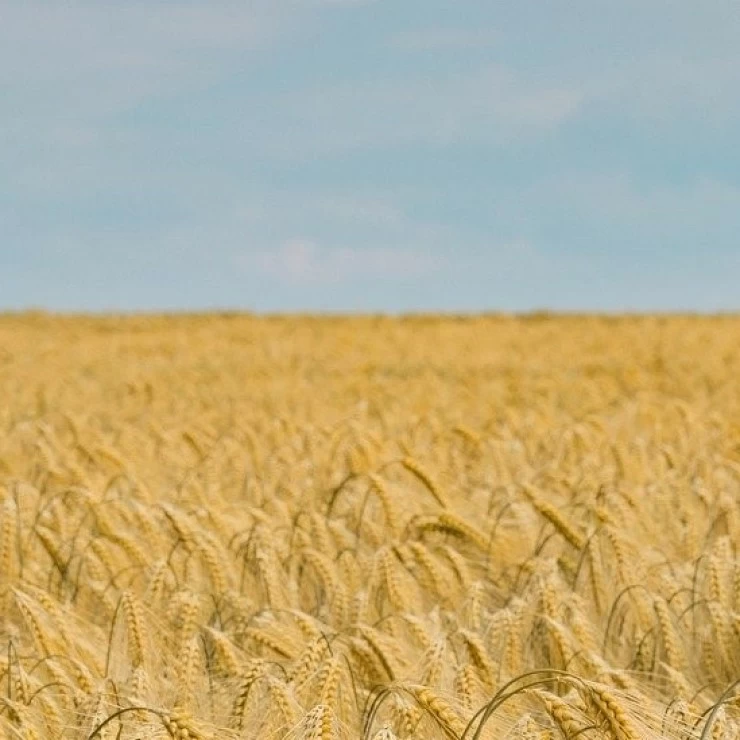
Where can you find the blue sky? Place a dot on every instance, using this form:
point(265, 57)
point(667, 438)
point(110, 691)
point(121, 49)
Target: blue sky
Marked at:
point(345, 155)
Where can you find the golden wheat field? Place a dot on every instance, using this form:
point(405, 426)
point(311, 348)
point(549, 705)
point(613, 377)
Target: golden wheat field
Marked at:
point(334, 528)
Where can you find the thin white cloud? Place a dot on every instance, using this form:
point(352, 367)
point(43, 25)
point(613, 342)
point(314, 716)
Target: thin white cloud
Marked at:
point(703, 203)
point(92, 59)
point(305, 262)
point(70, 72)
point(663, 86)
point(341, 3)
point(444, 39)
point(357, 209)
point(486, 104)
point(52, 43)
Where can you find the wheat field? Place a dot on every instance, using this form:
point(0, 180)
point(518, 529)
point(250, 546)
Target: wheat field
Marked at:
point(427, 527)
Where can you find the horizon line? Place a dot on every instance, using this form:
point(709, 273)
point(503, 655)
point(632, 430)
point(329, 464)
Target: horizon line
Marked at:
point(534, 313)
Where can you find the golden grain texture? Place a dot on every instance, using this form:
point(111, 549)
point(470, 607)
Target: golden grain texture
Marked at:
point(296, 527)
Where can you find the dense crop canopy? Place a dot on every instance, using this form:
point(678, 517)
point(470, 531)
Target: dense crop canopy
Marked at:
point(485, 527)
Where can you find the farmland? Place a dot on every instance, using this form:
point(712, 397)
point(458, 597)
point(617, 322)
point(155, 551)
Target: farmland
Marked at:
point(227, 526)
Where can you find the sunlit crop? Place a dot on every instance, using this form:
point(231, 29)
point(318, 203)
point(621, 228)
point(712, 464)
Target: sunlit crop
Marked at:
point(487, 527)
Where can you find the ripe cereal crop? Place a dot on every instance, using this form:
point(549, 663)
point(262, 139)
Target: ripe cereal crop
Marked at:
point(418, 528)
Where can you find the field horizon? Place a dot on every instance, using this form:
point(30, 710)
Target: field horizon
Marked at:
point(232, 313)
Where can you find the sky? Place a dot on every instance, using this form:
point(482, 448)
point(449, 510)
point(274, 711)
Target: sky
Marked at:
point(376, 155)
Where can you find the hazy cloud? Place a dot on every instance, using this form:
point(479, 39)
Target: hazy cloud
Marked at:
point(661, 87)
point(96, 59)
point(445, 39)
point(470, 106)
point(304, 261)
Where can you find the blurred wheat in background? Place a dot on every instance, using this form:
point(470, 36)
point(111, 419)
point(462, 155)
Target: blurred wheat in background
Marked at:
point(485, 527)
